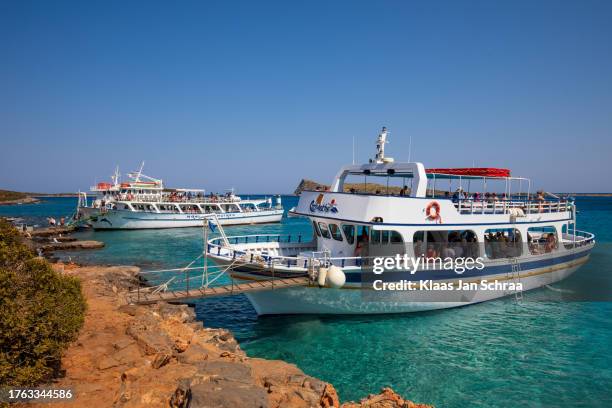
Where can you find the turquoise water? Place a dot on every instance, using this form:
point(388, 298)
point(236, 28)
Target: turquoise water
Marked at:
point(501, 353)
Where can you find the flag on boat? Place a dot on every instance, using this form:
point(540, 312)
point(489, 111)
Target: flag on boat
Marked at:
point(212, 225)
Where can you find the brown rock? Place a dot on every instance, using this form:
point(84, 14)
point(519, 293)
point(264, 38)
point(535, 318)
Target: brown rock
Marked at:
point(160, 360)
point(107, 362)
point(386, 399)
point(129, 354)
point(149, 337)
point(227, 393)
point(123, 343)
point(194, 354)
point(329, 397)
point(182, 396)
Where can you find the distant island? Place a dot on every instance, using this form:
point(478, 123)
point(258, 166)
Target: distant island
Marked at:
point(306, 184)
point(15, 197)
point(8, 197)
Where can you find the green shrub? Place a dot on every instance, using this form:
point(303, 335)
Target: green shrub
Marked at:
point(41, 312)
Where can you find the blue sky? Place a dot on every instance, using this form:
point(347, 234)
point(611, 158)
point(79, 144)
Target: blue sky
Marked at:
point(256, 94)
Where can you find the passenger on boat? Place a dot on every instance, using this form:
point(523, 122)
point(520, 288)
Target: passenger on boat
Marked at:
point(457, 195)
point(362, 241)
point(476, 196)
point(447, 195)
point(418, 248)
point(404, 191)
point(431, 252)
point(540, 199)
point(551, 243)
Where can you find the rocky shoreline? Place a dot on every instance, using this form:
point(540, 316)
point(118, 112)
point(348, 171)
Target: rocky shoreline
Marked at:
point(25, 200)
point(160, 356)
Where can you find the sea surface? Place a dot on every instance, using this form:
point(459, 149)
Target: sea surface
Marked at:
point(503, 353)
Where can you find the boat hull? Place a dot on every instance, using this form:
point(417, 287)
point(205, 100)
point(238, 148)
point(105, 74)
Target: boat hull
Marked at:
point(119, 219)
point(362, 299)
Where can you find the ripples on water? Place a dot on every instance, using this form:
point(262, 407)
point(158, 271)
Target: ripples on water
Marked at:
point(499, 353)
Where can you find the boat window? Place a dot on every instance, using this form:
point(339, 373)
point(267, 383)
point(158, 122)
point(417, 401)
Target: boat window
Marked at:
point(316, 229)
point(385, 237)
point(335, 232)
point(567, 235)
point(503, 243)
point(375, 238)
point(542, 240)
point(446, 244)
point(229, 207)
point(363, 234)
point(324, 230)
point(349, 233)
point(396, 238)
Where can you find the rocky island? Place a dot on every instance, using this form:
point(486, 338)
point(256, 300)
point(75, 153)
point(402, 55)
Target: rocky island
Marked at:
point(14, 198)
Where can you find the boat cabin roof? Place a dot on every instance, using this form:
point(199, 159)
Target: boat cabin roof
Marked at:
point(417, 172)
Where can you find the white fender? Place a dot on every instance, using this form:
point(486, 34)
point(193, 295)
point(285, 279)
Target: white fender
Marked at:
point(322, 276)
point(335, 277)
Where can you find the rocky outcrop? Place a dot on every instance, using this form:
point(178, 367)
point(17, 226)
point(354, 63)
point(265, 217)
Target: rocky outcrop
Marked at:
point(387, 398)
point(51, 231)
point(71, 245)
point(15, 197)
point(159, 356)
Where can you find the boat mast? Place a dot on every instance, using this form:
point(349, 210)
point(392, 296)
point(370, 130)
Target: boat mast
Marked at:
point(115, 177)
point(380, 146)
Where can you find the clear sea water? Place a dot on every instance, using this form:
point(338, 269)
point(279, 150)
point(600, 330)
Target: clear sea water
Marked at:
point(497, 354)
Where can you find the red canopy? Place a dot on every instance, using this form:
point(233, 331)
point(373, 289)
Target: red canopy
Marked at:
point(472, 171)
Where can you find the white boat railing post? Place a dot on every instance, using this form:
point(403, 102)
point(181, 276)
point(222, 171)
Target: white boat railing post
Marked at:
point(205, 251)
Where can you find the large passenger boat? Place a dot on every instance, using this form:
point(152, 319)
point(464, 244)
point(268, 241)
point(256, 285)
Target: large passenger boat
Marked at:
point(144, 202)
point(520, 241)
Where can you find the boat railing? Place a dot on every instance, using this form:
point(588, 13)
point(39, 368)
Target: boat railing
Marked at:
point(579, 238)
point(513, 206)
point(180, 200)
point(216, 247)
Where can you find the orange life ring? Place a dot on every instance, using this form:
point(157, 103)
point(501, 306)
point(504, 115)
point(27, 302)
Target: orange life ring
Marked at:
point(433, 212)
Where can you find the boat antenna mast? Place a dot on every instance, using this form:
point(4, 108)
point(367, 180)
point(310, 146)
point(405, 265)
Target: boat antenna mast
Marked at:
point(116, 177)
point(138, 174)
point(380, 148)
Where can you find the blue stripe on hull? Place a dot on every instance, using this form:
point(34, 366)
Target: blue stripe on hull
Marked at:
point(355, 275)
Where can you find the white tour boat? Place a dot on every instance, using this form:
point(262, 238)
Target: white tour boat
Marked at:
point(521, 241)
point(143, 203)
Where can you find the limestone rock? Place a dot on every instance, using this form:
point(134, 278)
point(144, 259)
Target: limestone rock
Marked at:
point(227, 393)
point(386, 399)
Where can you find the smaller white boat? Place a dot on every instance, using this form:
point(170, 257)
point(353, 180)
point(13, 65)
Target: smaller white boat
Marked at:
point(144, 203)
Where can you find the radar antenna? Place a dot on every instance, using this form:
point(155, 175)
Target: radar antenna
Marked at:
point(380, 147)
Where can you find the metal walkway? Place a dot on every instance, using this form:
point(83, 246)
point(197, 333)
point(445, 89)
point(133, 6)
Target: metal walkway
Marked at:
point(143, 297)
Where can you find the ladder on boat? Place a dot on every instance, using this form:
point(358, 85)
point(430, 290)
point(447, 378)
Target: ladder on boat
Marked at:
point(515, 275)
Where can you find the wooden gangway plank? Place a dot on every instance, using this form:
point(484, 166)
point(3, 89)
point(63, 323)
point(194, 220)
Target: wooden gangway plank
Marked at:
point(201, 292)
